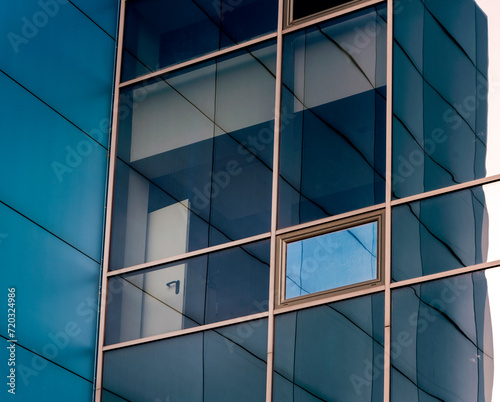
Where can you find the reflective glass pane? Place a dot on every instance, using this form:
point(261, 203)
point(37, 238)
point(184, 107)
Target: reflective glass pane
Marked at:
point(443, 339)
point(331, 260)
point(57, 291)
point(59, 181)
point(72, 72)
point(227, 364)
point(33, 373)
point(195, 158)
point(333, 352)
point(450, 231)
point(160, 33)
point(196, 291)
point(303, 8)
point(444, 94)
point(333, 118)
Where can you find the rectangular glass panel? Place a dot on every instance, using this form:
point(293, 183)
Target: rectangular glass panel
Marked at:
point(64, 78)
point(444, 334)
point(333, 352)
point(57, 289)
point(161, 33)
point(442, 233)
point(195, 157)
point(224, 365)
point(332, 155)
point(196, 291)
point(332, 260)
point(444, 94)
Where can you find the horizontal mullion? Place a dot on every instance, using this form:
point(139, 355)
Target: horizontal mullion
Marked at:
point(187, 331)
point(446, 190)
point(190, 254)
point(445, 274)
point(200, 59)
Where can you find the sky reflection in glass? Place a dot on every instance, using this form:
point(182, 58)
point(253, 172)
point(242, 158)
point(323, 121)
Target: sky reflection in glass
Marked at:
point(332, 260)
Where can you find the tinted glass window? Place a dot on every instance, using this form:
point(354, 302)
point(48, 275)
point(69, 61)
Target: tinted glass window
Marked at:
point(160, 33)
point(331, 353)
point(196, 291)
point(442, 233)
point(443, 339)
point(195, 157)
point(227, 364)
point(332, 156)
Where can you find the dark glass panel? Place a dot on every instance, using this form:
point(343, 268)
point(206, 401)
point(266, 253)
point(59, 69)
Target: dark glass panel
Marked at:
point(196, 291)
point(303, 8)
point(197, 153)
point(226, 364)
point(333, 118)
point(331, 353)
point(443, 339)
point(161, 33)
point(442, 233)
point(442, 95)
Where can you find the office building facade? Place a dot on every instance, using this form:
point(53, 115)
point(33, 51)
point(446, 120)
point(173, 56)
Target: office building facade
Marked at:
point(251, 200)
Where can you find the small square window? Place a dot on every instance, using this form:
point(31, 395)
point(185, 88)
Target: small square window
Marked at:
point(335, 257)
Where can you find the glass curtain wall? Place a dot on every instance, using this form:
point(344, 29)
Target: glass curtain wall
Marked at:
point(305, 203)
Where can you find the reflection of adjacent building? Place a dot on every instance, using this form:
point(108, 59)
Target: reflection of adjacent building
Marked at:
point(332, 156)
point(440, 120)
point(194, 170)
point(440, 96)
point(443, 340)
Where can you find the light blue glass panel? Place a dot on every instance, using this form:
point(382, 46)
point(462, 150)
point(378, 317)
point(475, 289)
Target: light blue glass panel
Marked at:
point(223, 365)
point(57, 174)
point(56, 293)
point(59, 54)
point(333, 352)
point(332, 260)
point(37, 379)
point(444, 337)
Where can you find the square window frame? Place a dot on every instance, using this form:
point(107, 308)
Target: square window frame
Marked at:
point(317, 230)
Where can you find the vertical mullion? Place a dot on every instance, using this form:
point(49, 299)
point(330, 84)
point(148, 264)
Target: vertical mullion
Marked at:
point(109, 205)
point(274, 208)
point(388, 197)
